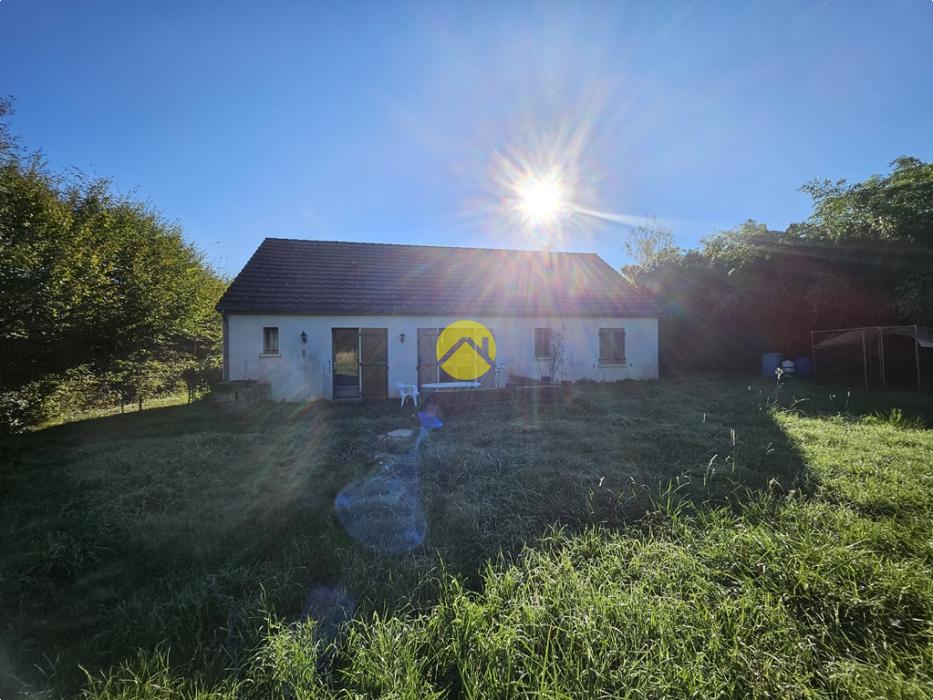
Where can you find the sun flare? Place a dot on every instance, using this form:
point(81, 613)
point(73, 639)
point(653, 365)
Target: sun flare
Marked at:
point(541, 199)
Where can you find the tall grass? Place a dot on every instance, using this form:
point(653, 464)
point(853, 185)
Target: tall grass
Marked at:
point(783, 599)
point(668, 540)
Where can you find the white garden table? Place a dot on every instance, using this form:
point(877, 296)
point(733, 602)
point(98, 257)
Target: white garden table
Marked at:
point(440, 386)
point(448, 386)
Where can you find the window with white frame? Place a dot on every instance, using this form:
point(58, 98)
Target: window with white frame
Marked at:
point(612, 346)
point(270, 340)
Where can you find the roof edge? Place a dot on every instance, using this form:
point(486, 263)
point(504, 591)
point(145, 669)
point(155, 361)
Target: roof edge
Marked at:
point(427, 245)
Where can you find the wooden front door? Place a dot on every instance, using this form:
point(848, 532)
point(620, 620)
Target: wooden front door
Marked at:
point(374, 363)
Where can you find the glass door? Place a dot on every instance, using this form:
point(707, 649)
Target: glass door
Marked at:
point(346, 344)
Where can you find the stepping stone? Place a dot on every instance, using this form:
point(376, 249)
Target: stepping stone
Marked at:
point(400, 433)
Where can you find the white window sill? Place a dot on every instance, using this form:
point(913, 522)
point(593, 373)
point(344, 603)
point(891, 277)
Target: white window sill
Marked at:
point(270, 354)
point(612, 364)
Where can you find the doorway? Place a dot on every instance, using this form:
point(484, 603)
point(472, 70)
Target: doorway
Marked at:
point(361, 363)
point(430, 372)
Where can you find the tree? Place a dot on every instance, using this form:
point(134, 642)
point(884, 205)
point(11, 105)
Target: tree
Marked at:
point(863, 257)
point(648, 245)
point(93, 282)
point(8, 142)
point(898, 206)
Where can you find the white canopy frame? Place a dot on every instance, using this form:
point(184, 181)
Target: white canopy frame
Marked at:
point(837, 337)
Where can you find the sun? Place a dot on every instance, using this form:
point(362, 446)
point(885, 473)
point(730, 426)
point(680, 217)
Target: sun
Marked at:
point(541, 199)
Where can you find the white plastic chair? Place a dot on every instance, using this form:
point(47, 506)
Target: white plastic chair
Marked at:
point(406, 390)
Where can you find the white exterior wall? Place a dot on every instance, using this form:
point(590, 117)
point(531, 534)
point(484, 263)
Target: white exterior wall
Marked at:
point(303, 371)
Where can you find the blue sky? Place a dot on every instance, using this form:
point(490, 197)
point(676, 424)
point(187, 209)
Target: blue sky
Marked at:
point(389, 121)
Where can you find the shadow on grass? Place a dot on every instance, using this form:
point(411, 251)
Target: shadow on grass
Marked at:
point(509, 466)
point(182, 525)
point(166, 526)
point(853, 403)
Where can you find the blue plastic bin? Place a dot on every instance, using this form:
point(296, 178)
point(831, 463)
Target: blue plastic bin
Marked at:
point(804, 367)
point(770, 361)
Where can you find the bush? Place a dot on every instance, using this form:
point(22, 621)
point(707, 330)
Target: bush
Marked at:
point(26, 406)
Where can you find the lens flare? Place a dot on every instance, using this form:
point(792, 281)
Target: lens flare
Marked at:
point(534, 187)
point(542, 199)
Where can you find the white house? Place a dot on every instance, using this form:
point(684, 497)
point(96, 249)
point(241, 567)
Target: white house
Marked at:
point(321, 319)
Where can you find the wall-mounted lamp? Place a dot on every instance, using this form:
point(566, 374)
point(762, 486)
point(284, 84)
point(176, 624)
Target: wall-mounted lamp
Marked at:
point(304, 337)
point(401, 337)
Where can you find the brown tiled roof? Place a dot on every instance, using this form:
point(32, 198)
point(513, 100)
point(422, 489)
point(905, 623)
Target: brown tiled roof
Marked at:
point(324, 277)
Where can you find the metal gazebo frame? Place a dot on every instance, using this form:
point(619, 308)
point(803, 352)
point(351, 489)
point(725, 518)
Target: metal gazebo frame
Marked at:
point(836, 337)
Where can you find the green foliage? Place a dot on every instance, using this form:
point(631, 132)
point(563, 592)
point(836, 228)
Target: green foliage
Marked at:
point(863, 258)
point(649, 244)
point(898, 206)
point(914, 297)
point(93, 282)
point(744, 245)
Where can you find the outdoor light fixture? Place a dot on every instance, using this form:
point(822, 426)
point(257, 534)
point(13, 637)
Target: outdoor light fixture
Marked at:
point(401, 337)
point(304, 337)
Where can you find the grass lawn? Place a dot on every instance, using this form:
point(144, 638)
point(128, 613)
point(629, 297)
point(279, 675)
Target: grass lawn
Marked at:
point(682, 538)
point(130, 407)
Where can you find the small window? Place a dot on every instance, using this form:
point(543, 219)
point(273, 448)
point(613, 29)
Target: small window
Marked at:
point(270, 341)
point(542, 342)
point(612, 346)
